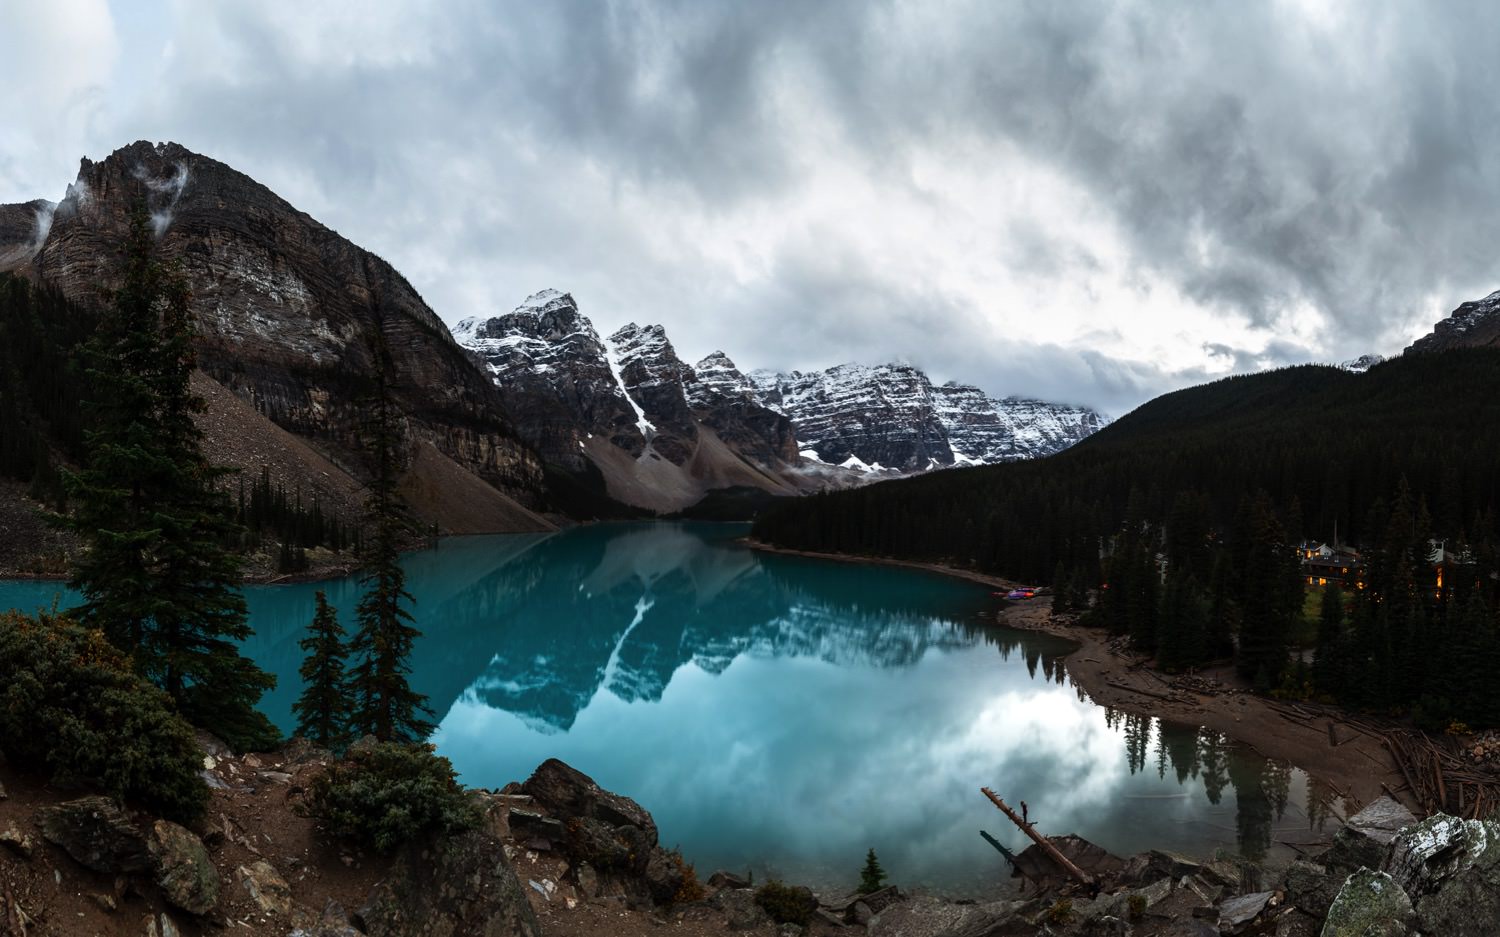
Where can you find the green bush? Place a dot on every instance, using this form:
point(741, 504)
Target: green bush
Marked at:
point(786, 904)
point(386, 794)
point(72, 707)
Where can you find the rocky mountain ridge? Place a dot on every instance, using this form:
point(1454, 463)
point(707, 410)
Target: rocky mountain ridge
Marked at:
point(628, 408)
point(794, 431)
point(893, 418)
point(1474, 324)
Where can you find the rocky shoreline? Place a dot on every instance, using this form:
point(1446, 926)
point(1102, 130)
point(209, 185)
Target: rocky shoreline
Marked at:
point(557, 854)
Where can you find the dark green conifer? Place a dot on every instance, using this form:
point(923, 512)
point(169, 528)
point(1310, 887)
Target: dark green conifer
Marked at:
point(385, 705)
point(323, 709)
point(872, 876)
point(157, 576)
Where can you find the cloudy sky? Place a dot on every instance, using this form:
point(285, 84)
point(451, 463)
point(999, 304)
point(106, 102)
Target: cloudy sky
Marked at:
point(1092, 202)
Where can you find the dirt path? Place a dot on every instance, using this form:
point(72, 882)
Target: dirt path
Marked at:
point(1359, 766)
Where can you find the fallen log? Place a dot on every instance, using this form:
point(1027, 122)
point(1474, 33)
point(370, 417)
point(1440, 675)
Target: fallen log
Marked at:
point(1063, 862)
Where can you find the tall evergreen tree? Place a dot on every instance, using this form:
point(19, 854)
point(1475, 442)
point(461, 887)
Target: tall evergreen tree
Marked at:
point(385, 705)
point(1330, 658)
point(157, 576)
point(323, 709)
point(872, 876)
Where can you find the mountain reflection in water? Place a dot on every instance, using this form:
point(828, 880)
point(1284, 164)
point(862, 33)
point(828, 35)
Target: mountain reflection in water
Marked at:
point(785, 714)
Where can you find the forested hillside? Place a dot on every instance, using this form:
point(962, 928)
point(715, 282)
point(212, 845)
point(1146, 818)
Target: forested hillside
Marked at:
point(1322, 443)
point(1180, 527)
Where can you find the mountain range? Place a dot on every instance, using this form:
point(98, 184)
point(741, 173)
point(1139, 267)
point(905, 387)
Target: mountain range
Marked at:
point(662, 432)
point(507, 418)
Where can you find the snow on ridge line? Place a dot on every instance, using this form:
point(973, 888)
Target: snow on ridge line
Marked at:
point(611, 357)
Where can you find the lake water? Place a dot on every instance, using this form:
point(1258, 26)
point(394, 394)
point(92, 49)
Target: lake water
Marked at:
point(785, 714)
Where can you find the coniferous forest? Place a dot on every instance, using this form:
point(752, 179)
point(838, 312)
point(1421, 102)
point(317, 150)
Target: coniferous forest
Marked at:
point(1181, 525)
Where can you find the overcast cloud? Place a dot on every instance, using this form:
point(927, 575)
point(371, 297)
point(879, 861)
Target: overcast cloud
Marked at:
point(1090, 202)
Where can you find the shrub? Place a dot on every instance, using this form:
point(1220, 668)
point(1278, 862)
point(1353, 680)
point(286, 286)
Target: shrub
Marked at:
point(387, 794)
point(1061, 912)
point(1137, 906)
point(72, 707)
point(691, 889)
point(786, 904)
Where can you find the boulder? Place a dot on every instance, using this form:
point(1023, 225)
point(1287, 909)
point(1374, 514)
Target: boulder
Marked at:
point(665, 875)
point(567, 792)
point(17, 842)
point(1363, 840)
point(722, 879)
point(267, 888)
point(464, 885)
point(97, 834)
point(333, 923)
point(741, 912)
point(1370, 904)
point(1239, 913)
point(608, 849)
point(1450, 868)
point(184, 872)
point(528, 825)
point(1310, 887)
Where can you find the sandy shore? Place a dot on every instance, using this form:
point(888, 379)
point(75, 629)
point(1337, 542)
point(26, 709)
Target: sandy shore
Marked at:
point(1358, 766)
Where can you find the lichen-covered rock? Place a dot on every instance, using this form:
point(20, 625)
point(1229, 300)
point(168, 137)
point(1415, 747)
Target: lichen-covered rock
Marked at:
point(1370, 904)
point(1450, 868)
point(464, 885)
point(95, 832)
point(184, 872)
point(741, 912)
point(1363, 840)
point(1310, 887)
point(267, 888)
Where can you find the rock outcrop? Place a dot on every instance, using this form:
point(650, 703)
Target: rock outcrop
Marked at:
point(1473, 324)
point(463, 885)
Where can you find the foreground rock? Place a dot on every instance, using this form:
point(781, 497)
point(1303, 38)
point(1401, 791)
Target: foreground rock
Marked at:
point(462, 886)
point(184, 872)
point(98, 835)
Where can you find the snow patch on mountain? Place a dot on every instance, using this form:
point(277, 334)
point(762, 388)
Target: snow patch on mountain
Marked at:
point(1361, 364)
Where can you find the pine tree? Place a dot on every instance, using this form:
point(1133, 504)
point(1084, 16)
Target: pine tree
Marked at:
point(323, 709)
point(1330, 656)
point(157, 576)
point(872, 876)
point(1062, 600)
point(385, 705)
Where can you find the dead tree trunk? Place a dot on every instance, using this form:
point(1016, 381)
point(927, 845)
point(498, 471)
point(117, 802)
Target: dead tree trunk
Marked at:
point(1030, 830)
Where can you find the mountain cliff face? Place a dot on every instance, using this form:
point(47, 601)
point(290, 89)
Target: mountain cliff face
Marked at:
point(892, 418)
point(1474, 324)
point(659, 433)
point(23, 228)
point(288, 311)
point(556, 376)
point(882, 417)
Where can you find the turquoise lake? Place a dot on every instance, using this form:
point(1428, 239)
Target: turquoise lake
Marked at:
point(785, 714)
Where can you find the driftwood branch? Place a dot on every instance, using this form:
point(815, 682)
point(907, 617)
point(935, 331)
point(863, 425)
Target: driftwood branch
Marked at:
point(1029, 829)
